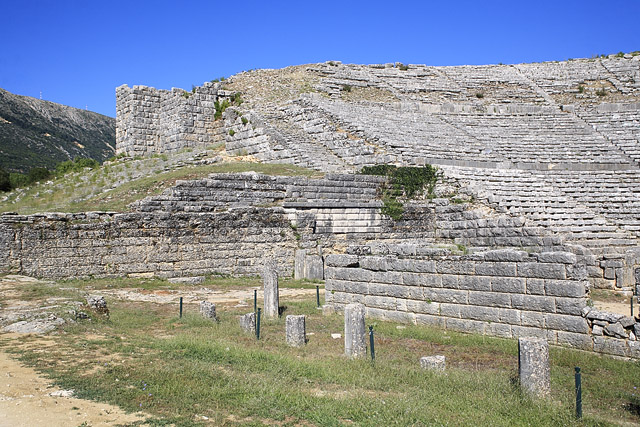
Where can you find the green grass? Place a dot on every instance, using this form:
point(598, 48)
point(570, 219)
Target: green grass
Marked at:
point(64, 195)
point(180, 369)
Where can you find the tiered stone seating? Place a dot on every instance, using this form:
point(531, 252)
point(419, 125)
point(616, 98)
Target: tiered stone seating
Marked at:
point(558, 201)
point(620, 123)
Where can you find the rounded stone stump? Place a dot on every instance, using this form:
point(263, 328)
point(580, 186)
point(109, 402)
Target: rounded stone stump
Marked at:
point(355, 336)
point(533, 366)
point(208, 310)
point(433, 363)
point(296, 331)
point(248, 322)
point(271, 293)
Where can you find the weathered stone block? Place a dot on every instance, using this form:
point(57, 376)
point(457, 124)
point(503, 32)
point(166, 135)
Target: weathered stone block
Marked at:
point(489, 299)
point(502, 269)
point(533, 366)
point(271, 291)
point(208, 310)
point(573, 306)
point(541, 270)
point(570, 339)
point(296, 330)
point(615, 346)
point(433, 363)
point(508, 285)
point(298, 269)
point(505, 255)
point(475, 283)
point(563, 322)
point(446, 295)
point(248, 322)
point(533, 303)
point(557, 257)
point(354, 331)
point(196, 280)
point(313, 267)
point(616, 330)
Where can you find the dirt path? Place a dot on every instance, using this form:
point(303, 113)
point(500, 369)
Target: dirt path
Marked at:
point(27, 399)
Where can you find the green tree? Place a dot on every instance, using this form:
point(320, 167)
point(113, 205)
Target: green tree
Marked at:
point(5, 182)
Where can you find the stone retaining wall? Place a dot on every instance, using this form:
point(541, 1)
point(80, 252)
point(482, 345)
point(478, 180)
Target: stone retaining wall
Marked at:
point(506, 293)
point(101, 244)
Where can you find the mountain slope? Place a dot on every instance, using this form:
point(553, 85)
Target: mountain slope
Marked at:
point(40, 133)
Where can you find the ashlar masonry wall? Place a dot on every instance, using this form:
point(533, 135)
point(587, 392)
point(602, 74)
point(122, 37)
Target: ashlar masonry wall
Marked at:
point(150, 120)
point(166, 245)
point(505, 293)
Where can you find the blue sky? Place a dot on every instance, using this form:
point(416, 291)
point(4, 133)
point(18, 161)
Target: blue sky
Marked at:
point(77, 52)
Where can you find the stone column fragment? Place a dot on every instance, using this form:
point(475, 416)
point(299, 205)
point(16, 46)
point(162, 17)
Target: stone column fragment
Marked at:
point(533, 366)
point(208, 310)
point(248, 322)
point(298, 267)
point(296, 331)
point(355, 344)
point(271, 293)
point(433, 363)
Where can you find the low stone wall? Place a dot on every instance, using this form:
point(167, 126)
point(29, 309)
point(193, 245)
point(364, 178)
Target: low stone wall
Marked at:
point(506, 293)
point(167, 245)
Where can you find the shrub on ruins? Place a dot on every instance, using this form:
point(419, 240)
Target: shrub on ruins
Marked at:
point(5, 181)
point(220, 107)
point(404, 182)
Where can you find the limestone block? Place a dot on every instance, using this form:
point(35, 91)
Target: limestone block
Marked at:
point(533, 366)
point(581, 341)
point(433, 363)
point(248, 322)
point(208, 310)
point(616, 330)
point(533, 303)
point(573, 306)
point(557, 257)
point(508, 285)
point(271, 291)
point(295, 330)
point(504, 269)
point(490, 299)
point(197, 280)
point(354, 331)
point(567, 323)
point(541, 270)
point(299, 264)
point(313, 267)
point(615, 346)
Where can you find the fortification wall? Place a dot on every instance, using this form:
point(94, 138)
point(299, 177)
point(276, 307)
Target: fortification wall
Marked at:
point(505, 293)
point(183, 244)
point(150, 120)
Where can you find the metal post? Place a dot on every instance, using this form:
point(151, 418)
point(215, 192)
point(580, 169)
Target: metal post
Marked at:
point(258, 324)
point(181, 307)
point(318, 296)
point(373, 351)
point(578, 393)
point(255, 300)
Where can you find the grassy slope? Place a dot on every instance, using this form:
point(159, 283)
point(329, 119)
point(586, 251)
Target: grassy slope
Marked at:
point(115, 185)
point(181, 370)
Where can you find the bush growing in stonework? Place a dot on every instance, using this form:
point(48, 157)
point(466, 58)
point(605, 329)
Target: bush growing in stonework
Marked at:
point(405, 182)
